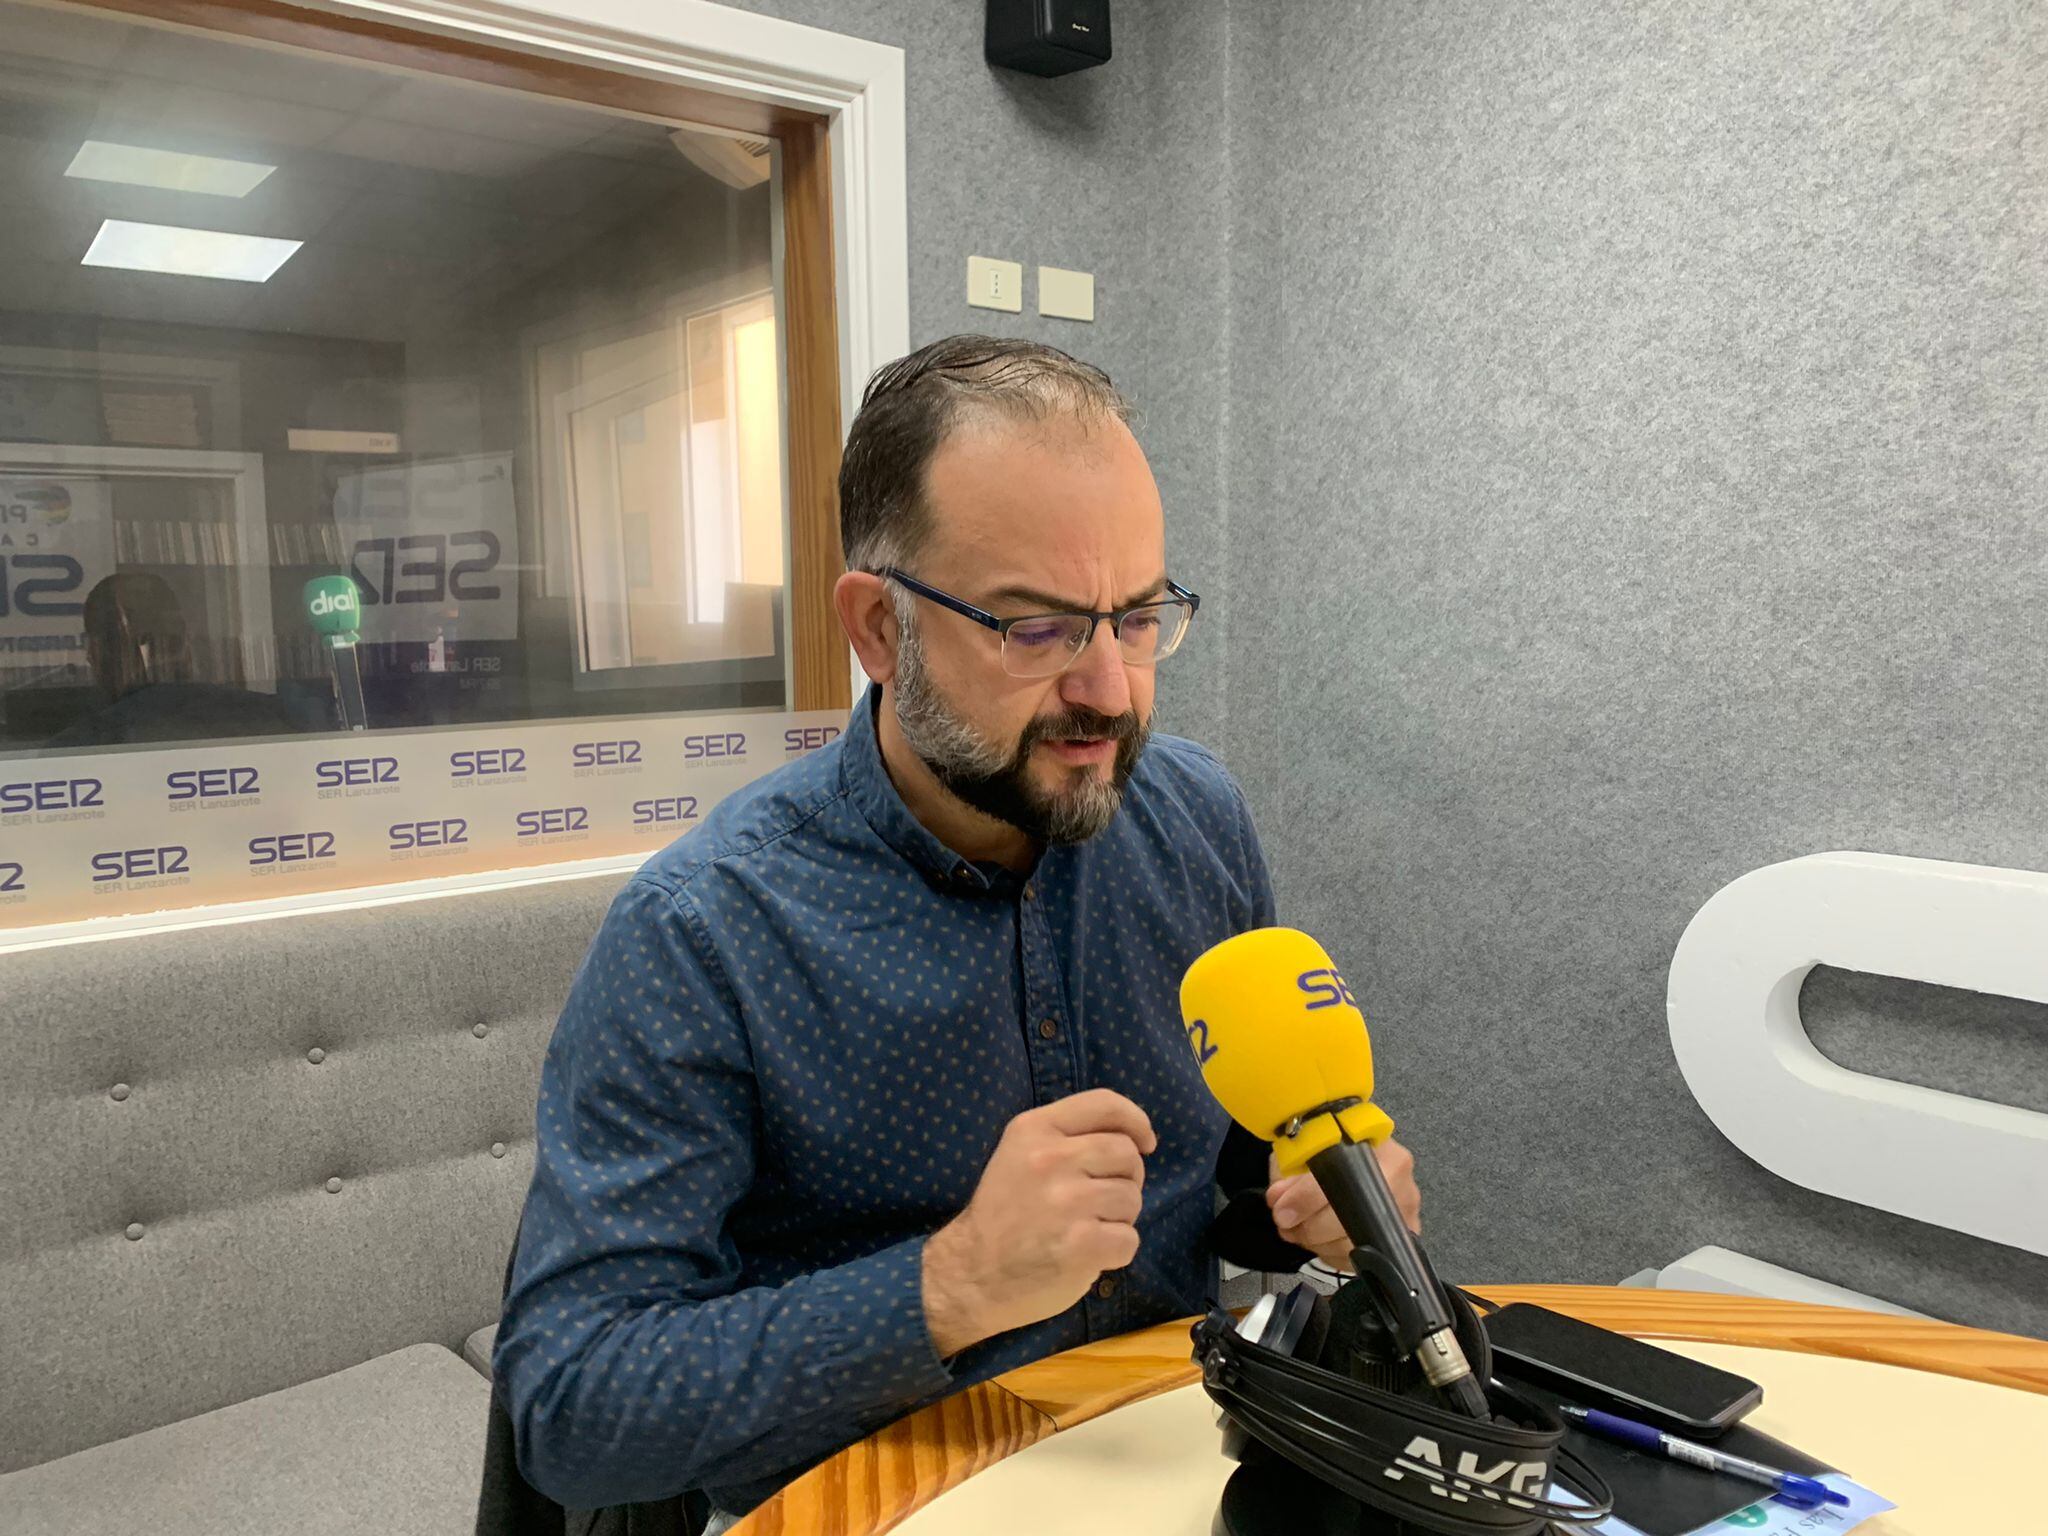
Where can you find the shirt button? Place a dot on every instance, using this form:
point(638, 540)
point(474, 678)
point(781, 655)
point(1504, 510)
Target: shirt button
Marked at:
point(1030, 893)
point(1105, 1287)
point(1048, 1029)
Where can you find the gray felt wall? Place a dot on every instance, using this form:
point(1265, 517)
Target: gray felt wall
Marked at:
point(1640, 427)
point(1609, 439)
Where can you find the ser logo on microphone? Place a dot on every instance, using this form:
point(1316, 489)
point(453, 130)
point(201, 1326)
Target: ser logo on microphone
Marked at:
point(1325, 988)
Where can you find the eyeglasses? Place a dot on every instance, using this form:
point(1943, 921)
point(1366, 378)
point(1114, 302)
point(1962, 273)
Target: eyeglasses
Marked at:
point(1046, 644)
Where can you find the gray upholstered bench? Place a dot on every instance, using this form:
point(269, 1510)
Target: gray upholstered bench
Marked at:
point(260, 1182)
point(393, 1445)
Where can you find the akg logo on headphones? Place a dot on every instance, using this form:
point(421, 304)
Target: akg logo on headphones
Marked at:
point(1425, 1458)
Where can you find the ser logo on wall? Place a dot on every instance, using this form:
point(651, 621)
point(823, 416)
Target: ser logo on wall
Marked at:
point(604, 757)
point(41, 586)
point(212, 788)
point(412, 839)
point(349, 777)
point(488, 765)
point(276, 851)
point(45, 800)
point(668, 811)
point(555, 824)
point(728, 746)
point(1964, 1163)
point(807, 738)
point(110, 834)
point(135, 869)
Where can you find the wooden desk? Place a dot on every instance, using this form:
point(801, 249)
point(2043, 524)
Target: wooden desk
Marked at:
point(871, 1487)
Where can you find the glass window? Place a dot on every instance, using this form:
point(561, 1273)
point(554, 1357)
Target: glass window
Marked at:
point(294, 349)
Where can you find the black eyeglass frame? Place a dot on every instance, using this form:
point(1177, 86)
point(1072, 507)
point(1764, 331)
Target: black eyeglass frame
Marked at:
point(1116, 616)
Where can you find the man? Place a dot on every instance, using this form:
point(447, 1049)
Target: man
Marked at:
point(140, 654)
point(875, 1085)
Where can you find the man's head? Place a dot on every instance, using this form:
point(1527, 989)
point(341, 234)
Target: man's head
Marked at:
point(135, 633)
point(1002, 474)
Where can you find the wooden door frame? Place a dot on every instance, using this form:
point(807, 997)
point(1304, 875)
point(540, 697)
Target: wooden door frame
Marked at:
point(835, 104)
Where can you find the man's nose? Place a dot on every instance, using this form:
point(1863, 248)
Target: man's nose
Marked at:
point(1097, 679)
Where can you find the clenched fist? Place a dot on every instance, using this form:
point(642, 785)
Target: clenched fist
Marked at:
point(1302, 1214)
point(1057, 1205)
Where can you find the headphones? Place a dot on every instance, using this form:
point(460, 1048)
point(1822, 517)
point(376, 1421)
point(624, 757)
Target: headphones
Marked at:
point(1300, 1378)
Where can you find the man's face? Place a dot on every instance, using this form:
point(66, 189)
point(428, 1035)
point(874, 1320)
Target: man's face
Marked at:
point(1031, 517)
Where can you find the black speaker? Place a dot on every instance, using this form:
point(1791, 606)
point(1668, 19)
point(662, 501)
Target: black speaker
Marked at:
point(1047, 37)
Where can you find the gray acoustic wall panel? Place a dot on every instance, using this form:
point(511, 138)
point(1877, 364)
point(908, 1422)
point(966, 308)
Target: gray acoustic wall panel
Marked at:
point(1650, 397)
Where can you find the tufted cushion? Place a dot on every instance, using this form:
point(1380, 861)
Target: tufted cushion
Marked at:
point(394, 1446)
point(245, 1157)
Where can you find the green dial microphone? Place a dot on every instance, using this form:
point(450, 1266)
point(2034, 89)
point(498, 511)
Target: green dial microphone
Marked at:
point(335, 606)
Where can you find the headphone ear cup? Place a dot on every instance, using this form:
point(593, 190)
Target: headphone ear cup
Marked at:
point(1290, 1321)
point(1295, 1324)
point(1314, 1343)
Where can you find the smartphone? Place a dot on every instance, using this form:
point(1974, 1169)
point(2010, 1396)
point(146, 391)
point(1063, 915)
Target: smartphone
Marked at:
point(1597, 1368)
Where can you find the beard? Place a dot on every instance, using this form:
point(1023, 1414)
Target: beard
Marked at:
point(997, 781)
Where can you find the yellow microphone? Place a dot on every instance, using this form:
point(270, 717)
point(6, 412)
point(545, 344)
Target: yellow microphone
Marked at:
point(1278, 1033)
point(1282, 1045)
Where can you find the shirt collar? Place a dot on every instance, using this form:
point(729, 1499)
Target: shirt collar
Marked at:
point(867, 780)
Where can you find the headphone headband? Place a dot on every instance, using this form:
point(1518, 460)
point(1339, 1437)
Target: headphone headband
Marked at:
point(1413, 1459)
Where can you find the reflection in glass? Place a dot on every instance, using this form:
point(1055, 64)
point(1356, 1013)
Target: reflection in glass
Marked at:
point(519, 375)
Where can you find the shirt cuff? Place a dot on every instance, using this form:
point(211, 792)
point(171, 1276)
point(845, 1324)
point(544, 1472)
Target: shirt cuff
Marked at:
point(878, 1348)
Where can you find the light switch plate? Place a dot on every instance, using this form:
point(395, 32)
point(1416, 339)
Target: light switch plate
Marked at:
point(993, 284)
point(1066, 295)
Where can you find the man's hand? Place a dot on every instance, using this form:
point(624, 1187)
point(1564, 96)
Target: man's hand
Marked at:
point(1057, 1205)
point(1302, 1214)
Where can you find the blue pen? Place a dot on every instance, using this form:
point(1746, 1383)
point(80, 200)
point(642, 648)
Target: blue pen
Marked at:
point(1806, 1492)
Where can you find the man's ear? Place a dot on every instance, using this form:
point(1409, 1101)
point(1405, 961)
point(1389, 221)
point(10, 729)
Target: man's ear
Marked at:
point(869, 619)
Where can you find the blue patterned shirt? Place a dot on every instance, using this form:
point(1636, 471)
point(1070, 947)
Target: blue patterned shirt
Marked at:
point(785, 1062)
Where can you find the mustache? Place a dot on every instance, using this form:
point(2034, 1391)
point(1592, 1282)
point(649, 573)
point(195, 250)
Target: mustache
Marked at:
point(1081, 725)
